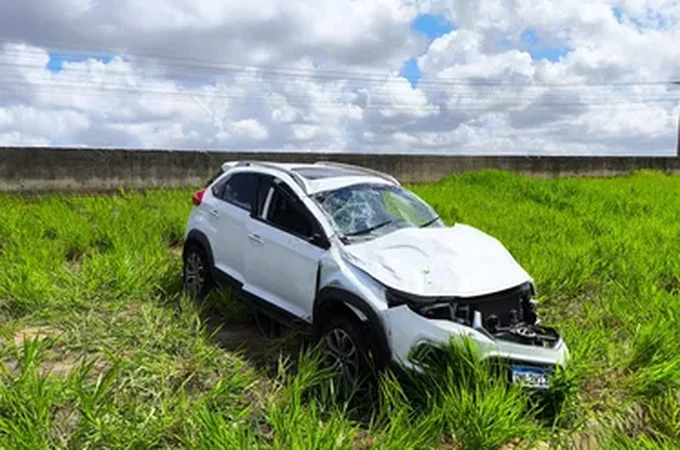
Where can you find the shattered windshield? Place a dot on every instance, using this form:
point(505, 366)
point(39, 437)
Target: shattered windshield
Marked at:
point(371, 210)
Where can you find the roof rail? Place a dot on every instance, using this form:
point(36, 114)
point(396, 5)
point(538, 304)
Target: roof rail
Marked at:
point(376, 173)
point(297, 178)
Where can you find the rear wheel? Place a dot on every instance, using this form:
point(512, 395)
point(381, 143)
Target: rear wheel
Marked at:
point(196, 273)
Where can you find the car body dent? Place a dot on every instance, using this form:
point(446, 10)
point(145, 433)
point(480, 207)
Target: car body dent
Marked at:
point(446, 261)
point(335, 272)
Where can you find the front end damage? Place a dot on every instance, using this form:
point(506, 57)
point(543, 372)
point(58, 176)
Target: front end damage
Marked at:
point(445, 283)
point(503, 325)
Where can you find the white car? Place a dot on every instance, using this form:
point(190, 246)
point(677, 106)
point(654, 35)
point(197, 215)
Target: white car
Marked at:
point(365, 265)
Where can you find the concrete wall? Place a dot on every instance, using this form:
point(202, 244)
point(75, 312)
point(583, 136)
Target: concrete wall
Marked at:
point(49, 169)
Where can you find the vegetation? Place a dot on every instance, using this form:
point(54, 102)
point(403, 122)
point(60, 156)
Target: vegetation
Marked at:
point(98, 349)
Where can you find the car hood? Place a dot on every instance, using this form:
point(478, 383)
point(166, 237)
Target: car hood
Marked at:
point(451, 261)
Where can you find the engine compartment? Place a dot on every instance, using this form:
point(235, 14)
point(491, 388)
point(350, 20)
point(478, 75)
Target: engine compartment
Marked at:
point(509, 315)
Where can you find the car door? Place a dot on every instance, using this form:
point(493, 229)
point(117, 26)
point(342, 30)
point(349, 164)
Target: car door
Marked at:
point(235, 196)
point(283, 250)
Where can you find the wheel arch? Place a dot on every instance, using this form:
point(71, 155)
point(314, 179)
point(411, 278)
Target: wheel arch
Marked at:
point(331, 301)
point(198, 238)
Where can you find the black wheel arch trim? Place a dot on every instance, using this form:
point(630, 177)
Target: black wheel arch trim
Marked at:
point(377, 330)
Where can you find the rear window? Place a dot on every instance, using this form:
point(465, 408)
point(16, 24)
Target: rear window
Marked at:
point(240, 189)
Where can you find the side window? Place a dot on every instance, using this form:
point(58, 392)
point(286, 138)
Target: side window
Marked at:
point(285, 214)
point(240, 190)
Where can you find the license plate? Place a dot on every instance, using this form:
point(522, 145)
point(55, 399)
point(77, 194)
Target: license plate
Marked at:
point(532, 377)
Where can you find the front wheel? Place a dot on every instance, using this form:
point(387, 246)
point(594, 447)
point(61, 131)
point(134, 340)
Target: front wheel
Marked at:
point(196, 273)
point(346, 350)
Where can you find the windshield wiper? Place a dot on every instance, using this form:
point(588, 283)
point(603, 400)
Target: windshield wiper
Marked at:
point(428, 223)
point(368, 230)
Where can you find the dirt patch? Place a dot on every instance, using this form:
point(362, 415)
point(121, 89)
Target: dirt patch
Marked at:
point(133, 309)
point(518, 444)
point(35, 333)
point(59, 368)
point(11, 366)
point(363, 441)
point(64, 424)
point(53, 361)
point(176, 251)
point(585, 441)
point(234, 337)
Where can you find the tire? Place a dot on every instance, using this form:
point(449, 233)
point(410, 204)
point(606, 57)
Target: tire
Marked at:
point(346, 350)
point(196, 273)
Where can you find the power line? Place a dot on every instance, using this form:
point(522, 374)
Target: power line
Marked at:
point(180, 91)
point(345, 97)
point(340, 93)
point(196, 64)
point(468, 106)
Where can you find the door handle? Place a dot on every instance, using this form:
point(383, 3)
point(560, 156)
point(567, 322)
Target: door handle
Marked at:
point(256, 238)
point(215, 213)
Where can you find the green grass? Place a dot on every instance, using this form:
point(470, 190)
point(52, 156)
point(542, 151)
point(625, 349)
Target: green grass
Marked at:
point(99, 350)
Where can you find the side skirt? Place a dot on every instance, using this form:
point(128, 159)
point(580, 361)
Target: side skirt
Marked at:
point(274, 312)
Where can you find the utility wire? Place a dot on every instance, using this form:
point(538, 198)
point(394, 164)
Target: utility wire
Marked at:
point(371, 98)
point(302, 103)
point(195, 64)
point(171, 88)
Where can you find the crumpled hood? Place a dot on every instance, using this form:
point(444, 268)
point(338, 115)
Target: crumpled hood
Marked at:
point(452, 261)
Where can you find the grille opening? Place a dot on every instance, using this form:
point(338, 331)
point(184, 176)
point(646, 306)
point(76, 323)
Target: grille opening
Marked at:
point(509, 315)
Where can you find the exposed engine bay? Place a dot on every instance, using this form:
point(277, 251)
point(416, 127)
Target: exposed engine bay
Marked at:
point(509, 315)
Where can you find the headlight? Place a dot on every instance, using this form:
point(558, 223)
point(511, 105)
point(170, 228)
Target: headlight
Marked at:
point(398, 298)
point(431, 307)
point(497, 310)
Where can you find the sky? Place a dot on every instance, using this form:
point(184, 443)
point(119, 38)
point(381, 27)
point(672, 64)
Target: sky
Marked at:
point(523, 77)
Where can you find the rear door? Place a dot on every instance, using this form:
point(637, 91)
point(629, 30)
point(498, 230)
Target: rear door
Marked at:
point(282, 253)
point(235, 197)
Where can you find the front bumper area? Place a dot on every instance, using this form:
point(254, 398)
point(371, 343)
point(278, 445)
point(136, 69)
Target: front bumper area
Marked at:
point(407, 330)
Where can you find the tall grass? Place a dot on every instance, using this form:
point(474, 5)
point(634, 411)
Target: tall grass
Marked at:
point(123, 361)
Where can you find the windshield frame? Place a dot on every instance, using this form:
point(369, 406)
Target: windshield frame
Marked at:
point(382, 227)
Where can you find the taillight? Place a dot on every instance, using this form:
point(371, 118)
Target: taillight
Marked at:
point(198, 197)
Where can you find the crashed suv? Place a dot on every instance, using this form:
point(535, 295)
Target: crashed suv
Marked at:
point(366, 266)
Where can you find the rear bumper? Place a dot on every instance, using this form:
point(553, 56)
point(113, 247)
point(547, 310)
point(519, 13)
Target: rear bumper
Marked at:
point(407, 330)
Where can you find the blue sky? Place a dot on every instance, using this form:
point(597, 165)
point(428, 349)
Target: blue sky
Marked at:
point(618, 13)
point(58, 59)
point(432, 26)
point(532, 43)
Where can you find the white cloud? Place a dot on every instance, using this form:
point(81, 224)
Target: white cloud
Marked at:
point(14, 138)
point(250, 129)
point(322, 74)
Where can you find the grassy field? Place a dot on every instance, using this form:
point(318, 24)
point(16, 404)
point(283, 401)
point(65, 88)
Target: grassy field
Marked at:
point(99, 350)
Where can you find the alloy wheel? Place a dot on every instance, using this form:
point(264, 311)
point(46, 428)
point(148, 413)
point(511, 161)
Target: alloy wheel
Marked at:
point(194, 275)
point(342, 354)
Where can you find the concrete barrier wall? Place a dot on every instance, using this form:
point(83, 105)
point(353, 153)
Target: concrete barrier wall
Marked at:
point(50, 169)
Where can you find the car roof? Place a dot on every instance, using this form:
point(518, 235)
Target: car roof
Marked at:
point(321, 176)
